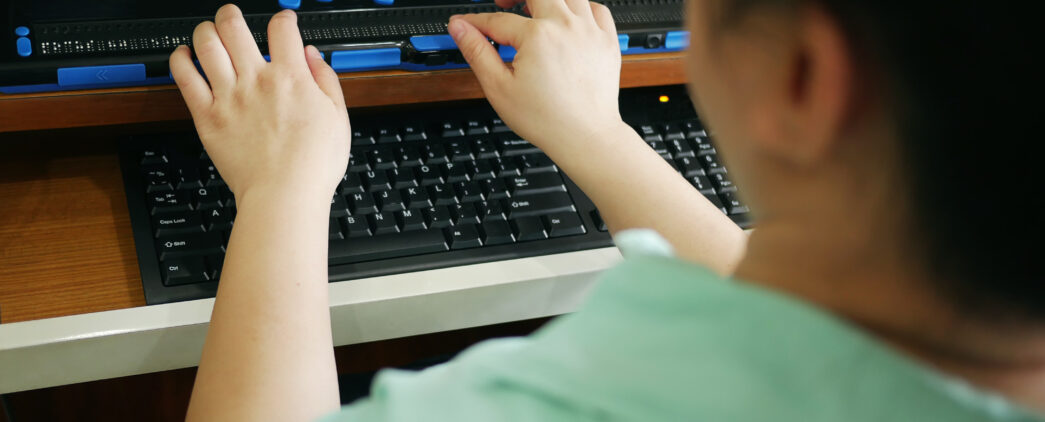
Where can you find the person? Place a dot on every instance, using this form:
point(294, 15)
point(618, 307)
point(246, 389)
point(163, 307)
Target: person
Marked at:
point(882, 146)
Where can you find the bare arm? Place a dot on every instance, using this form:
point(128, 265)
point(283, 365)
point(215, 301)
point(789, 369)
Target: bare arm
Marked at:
point(561, 95)
point(279, 134)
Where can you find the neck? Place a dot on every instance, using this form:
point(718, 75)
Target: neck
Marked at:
point(862, 274)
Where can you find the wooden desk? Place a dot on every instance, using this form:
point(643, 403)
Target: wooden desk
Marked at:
point(65, 238)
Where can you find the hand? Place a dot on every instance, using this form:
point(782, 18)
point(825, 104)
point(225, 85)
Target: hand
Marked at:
point(565, 78)
point(275, 126)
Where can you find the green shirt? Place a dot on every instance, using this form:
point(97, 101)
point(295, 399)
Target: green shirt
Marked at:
point(665, 340)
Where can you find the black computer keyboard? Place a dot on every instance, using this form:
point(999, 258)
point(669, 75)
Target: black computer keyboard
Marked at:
point(438, 186)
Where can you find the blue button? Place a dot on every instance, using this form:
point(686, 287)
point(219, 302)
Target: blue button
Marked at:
point(507, 52)
point(344, 61)
point(22, 31)
point(290, 4)
point(433, 42)
point(99, 75)
point(676, 39)
point(623, 40)
point(384, 2)
point(24, 46)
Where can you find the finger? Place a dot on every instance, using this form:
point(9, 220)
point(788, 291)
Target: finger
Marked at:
point(285, 44)
point(480, 55)
point(503, 28)
point(238, 41)
point(547, 8)
point(213, 58)
point(603, 17)
point(325, 77)
point(193, 87)
point(579, 8)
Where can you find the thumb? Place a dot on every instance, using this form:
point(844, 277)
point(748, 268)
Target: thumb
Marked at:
point(479, 53)
point(325, 77)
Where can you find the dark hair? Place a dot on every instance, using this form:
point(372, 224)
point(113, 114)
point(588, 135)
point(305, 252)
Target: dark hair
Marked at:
point(967, 103)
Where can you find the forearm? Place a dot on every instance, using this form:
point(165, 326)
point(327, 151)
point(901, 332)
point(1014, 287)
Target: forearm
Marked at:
point(269, 353)
point(633, 187)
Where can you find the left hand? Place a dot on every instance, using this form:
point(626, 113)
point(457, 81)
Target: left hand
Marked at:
point(275, 127)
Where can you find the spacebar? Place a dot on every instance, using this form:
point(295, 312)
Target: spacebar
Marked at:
point(352, 250)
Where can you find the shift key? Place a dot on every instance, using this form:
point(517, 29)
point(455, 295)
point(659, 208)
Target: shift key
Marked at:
point(189, 244)
point(538, 205)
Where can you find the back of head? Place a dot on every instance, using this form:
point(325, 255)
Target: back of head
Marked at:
point(965, 88)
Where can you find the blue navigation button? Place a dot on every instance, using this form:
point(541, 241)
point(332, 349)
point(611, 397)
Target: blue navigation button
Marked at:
point(433, 43)
point(623, 39)
point(24, 46)
point(353, 60)
point(100, 75)
point(676, 40)
point(507, 52)
point(384, 2)
point(290, 4)
point(22, 31)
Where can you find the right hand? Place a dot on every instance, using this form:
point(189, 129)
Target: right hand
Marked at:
point(564, 81)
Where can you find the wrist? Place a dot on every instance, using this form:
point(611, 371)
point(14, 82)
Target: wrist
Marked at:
point(304, 196)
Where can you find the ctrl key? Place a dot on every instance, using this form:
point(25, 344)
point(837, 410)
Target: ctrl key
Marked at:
point(185, 270)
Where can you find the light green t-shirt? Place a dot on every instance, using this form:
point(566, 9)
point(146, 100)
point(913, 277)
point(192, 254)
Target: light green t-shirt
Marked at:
point(664, 340)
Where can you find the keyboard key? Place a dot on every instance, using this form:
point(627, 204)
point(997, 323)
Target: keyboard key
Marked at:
point(475, 127)
point(381, 159)
point(376, 181)
point(681, 148)
point(468, 191)
point(169, 201)
point(338, 206)
point(185, 270)
point(356, 227)
point(362, 204)
point(464, 236)
point(408, 157)
point(528, 228)
point(484, 149)
point(435, 154)
point(564, 224)
point(465, 213)
point(206, 198)
point(167, 223)
point(511, 146)
point(383, 223)
point(416, 198)
point(497, 233)
point(482, 170)
point(386, 246)
point(437, 217)
point(151, 156)
point(711, 164)
point(362, 138)
point(717, 203)
point(703, 146)
point(351, 183)
point(693, 129)
point(505, 167)
point(402, 178)
point(410, 220)
point(539, 204)
point(600, 225)
point(702, 184)
point(690, 167)
point(722, 184)
point(649, 134)
point(428, 175)
point(537, 163)
point(441, 195)
point(660, 148)
point(455, 172)
point(218, 219)
point(157, 180)
point(414, 133)
point(335, 229)
point(388, 136)
point(498, 126)
point(189, 244)
point(495, 189)
point(357, 165)
point(733, 204)
point(390, 200)
point(491, 211)
point(452, 130)
point(673, 132)
point(535, 184)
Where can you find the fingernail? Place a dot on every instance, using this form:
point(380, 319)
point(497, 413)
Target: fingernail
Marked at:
point(456, 28)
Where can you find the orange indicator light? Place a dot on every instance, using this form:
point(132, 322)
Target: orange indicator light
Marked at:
point(664, 98)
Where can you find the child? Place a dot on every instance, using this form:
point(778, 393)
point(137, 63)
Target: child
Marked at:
point(883, 281)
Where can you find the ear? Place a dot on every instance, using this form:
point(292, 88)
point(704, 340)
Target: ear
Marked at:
point(806, 117)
